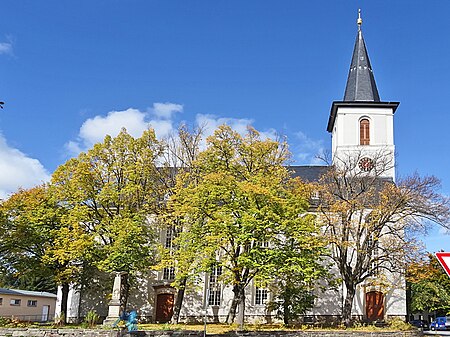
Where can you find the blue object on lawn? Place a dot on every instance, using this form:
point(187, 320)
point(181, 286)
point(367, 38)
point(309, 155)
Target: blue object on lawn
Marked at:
point(130, 319)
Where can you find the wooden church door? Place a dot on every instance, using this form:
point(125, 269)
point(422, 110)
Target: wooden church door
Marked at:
point(375, 306)
point(164, 308)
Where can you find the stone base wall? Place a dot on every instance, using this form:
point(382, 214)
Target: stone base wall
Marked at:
point(18, 332)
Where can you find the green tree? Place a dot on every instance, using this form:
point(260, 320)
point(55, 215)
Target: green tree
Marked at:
point(31, 248)
point(110, 192)
point(292, 297)
point(240, 207)
point(298, 281)
point(429, 286)
point(28, 220)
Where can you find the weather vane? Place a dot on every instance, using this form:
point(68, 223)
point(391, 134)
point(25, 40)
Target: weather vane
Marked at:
point(359, 21)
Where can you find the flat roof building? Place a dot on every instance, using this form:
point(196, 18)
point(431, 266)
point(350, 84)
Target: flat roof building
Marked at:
point(25, 305)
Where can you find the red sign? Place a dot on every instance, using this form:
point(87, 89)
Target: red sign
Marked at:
point(444, 260)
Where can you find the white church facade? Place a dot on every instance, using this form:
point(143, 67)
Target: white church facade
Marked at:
point(362, 127)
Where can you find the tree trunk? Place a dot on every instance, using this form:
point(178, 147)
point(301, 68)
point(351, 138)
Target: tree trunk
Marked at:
point(179, 301)
point(232, 313)
point(348, 304)
point(124, 292)
point(241, 304)
point(64, 299)
point(286, 303)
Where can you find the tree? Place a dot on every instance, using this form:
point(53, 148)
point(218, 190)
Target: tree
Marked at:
point(181, 151)
point(293, 298)
point(297, 283)
point(429, 286)
point(28, 217)
point(370, 222)
point(109, 193)
point(31, 230)
point(240, 208)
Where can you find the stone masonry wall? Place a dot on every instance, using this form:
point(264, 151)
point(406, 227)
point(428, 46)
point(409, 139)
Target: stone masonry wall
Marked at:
point(5, 332)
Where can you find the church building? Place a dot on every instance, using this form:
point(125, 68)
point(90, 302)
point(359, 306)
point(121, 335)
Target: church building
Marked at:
point(361, 126)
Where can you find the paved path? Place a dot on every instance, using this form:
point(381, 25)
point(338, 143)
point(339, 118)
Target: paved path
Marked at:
point(437, 333)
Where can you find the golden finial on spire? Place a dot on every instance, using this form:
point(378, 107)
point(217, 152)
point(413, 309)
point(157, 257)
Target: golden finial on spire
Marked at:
point(359, 21)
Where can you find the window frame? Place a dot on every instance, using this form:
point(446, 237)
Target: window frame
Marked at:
point(373, 246)
point(261, 296)
point(171, 234)
point(168, 273)
point(214, 298)
point(15, 302)
point(364, 131)
point(214, 286)
point(32, 303)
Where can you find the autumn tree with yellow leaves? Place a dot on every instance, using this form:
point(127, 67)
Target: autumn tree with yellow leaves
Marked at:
point(241, 210)
point(109, 193)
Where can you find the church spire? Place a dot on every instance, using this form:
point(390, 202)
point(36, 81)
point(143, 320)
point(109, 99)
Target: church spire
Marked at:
point(361, 84)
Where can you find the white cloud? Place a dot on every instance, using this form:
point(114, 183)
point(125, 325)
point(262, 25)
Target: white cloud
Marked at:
point(18, 170)
point(95, 129)
point(210, 123)
point(162, 128)
point(134, 121)
point(6, 48)
point(166, 110)
point(306, 150)
point(161, 117)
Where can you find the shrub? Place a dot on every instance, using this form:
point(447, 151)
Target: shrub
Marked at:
point(396, 323)
point(59, 320)
point(4, 321)
point(91, 318)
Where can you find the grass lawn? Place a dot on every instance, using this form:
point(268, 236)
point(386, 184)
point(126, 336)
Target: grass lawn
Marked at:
point(213, 328)
point(217, 328)
point(222, 328)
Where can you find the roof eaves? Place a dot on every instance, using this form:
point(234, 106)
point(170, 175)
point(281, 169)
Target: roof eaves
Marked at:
point(357, 104)
point(19, 292)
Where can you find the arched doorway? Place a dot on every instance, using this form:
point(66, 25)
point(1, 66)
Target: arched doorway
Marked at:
point(375, 306)
point(164, 307)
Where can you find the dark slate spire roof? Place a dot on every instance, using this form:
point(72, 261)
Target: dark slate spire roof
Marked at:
point(361, 90)
point(361, 84)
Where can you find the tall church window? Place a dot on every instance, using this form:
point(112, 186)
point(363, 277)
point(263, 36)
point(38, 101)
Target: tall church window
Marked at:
point(364, 132)
point(169, 273)
point(260, 296)
point(372, 247)
point(214, 285)
point(170, 235)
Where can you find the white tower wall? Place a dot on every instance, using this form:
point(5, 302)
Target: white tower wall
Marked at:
point(346, 136)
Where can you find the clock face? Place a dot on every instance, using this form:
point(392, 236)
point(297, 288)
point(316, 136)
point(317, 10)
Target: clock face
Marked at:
point(365, 164)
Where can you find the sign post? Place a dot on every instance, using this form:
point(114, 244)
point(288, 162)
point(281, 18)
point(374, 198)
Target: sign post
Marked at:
point(444, 260)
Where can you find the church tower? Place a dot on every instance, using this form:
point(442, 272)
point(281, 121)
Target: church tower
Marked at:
point(362, 126)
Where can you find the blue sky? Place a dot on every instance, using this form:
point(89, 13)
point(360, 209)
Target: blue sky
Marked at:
point(72, 71)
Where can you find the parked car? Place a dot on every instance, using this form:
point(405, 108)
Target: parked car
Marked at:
point(420, 323)
point(441, 323)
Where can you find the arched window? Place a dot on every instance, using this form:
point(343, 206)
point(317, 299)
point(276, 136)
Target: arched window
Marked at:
point(364, 132)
